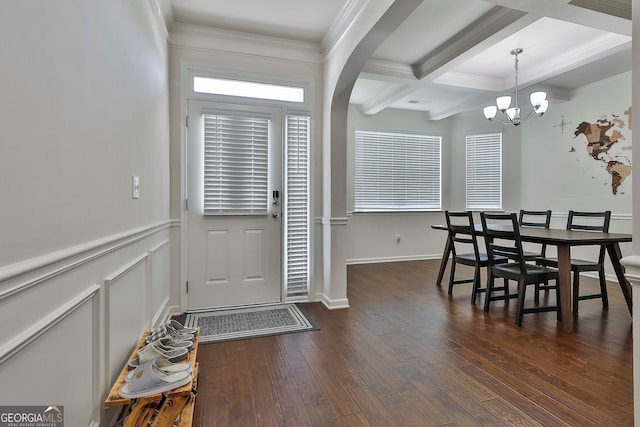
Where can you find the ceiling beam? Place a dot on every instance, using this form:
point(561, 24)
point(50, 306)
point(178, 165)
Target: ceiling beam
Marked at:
point(384, 99)
point(479, 30)
point(619, 8)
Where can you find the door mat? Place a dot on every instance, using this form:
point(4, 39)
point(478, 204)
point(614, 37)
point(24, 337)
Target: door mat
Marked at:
point(235, 324)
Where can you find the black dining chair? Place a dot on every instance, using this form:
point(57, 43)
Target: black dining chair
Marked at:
point(463, 239)
point(502, 237)
point(589, 221)
point(537, 219)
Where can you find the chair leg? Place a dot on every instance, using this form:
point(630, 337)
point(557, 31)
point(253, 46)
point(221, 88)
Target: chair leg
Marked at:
point(603, 289)
point(558, 305)
point(536, 295)
point(476, 284)
point(489, 290)
point(520, 308)
point(452, 274)
point(576, 291)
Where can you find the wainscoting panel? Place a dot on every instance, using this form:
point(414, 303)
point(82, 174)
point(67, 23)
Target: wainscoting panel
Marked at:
point(53, 362)
point(71, 318)
point(160, 279)
point(126, 313)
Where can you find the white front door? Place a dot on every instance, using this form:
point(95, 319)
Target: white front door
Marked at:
point(234, 229)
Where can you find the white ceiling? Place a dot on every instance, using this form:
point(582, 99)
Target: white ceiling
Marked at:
point(452, 56)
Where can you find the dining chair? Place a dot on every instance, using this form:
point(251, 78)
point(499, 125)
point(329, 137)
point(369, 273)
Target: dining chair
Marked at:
point(502, 237)
point(463, 239)
point(537, 219)
point(589, 221)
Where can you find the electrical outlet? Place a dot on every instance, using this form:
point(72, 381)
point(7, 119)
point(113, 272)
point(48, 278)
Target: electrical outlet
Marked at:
point(135, 187)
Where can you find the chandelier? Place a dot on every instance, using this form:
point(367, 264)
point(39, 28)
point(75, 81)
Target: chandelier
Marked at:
point(513, 116)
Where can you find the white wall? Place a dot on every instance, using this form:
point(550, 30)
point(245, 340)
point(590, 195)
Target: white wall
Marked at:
point(372, 236)
point(83, 266)
point(539, 172)
point(475, 123)
point(561, 179)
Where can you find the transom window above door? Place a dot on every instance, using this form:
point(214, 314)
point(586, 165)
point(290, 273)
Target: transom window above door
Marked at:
point(247, 89)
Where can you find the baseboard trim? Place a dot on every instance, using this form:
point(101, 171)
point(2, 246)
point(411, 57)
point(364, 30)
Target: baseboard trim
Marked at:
point(355, 261)
point(335, 304)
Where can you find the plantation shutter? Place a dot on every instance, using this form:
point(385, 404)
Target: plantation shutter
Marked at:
point(397, 171)
point(297, 208)
point(236, 164)
point(484, 171)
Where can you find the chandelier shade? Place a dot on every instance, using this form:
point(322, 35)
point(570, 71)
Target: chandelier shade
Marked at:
point(512, 115)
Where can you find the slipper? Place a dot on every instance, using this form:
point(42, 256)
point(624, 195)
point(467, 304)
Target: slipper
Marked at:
point(181, 329)
point(168, 348)
point(156, 351)
point(170, 342)
point(177, 327)
point(163, 364)
point(165, 331)
point(152, 380)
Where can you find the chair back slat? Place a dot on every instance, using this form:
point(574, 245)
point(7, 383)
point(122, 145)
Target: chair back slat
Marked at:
point(538, 219)
point(541, 219)
point(590, 221)
point(502, 237)
point(461, 230)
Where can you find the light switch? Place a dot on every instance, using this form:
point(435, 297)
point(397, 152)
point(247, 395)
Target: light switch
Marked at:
point(135, 187)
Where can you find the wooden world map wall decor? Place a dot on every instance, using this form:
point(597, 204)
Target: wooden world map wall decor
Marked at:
point(608, 140)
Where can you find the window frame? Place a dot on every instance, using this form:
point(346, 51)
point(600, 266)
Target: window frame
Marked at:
point(297, 280)
point(407, 145)
point(491, 198)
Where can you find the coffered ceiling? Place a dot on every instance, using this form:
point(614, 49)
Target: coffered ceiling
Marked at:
point(451, 56)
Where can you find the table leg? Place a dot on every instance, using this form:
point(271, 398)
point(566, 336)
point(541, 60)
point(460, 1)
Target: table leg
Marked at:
point(444, 261)
point(564, 285)
point(616, 255)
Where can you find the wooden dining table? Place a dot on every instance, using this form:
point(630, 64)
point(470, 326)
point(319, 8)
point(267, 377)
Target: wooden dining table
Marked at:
point(564, 240)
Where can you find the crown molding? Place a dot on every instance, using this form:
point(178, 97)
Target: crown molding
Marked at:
point(482, 28)
point(619, 8)
point(601, 83)
point(191, 36)
point(341, 24)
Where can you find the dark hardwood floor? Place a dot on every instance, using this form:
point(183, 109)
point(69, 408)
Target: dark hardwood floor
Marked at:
point(408, 354)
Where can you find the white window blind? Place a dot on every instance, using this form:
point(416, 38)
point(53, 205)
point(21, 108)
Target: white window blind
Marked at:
point(484, 171)
point(297, 200)
point(397, 171)
point(236, 164)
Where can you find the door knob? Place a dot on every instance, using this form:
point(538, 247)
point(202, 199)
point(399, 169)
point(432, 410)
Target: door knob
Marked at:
point(276, 215)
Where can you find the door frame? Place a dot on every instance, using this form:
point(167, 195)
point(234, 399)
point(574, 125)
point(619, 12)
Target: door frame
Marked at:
point(186, 93)
point(270, 291)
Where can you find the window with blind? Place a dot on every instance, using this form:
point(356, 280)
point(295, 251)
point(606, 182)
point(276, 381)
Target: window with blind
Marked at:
point(397, 171)
point(484, 171)
point(297, 219)
point(236, 164)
